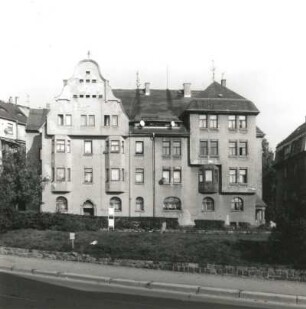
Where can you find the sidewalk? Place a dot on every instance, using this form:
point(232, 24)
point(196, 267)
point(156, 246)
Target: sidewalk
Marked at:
point(139, 274)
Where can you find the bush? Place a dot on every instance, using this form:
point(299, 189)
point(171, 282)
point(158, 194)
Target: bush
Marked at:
point(12, 219)
point(209, 224)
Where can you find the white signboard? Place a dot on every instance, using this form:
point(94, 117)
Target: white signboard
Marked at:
point(71, 236)
point(111, 223)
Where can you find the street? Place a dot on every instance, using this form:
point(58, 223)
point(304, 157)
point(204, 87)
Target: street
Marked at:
point(21, 293)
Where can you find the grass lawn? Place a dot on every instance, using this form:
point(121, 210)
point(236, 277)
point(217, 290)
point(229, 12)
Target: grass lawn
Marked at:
point(231, 249)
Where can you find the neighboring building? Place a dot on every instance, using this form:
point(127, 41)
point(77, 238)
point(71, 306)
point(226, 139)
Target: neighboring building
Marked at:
point(290, 165)
point(13, 119)
point(151, 153)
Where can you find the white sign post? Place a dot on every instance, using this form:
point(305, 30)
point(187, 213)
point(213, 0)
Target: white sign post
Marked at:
point(111, 218)
point(72, 238)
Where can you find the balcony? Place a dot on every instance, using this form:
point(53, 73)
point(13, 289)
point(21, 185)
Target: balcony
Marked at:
point(61, 186)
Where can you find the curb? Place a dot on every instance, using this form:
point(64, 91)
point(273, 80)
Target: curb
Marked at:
point(191, 291)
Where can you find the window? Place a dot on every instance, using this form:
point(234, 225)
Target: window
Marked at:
point(81, 96)
point(243, 176)
point(166, 175)
point(91, 120)
point(115, 120)
point(177, 148)
point(237, 204)
point(214, 151)
point(83, 120)
point(115, 174)
point(122, 146)
point(166, 148)
point(88, 147)
point(139, 147)
point(243, 148)
point(68, 120)
point(115, 203)
point(88, 208)
point(69, 174)
point(88, 175)
point(106, 120)
point(60, 145)
point(115, 146)
point(208, 204)
point(213, 121)
point(68, 147)
point(242, 122)
point(139, 204)
point(233, 148)
point(139, 175)
point(177, 175)
point(232, 122)
point(60, 120)
point(87, 80)
point(9, 129)
point(203, 148)
point(87, 72)
point(203, 121)
point(60, 174)
point(107, 175)
point(208, 175)
point(61, 204)
point(201, 176)
point(94, 81)
point(172, 203)
point(81, 80)
point(232, 176)
point(122, 174)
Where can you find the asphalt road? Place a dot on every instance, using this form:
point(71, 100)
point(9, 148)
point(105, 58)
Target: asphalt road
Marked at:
point(22, 293)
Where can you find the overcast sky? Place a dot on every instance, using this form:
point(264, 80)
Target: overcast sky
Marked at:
point(259, 45)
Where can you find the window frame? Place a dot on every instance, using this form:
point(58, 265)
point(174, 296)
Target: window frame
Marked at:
point(88, 171)
point(114, 146)
point(139, 204)
point(137, 151)
point(89, 142)
point(208, 204)
point(203, 123)
point(139, 172)
point(237, 204)
point(213, 121)
point(177, 148)
point(203, 151)
point(178, 171)
point(166, 148)
point(59, 179)
point(112, 170)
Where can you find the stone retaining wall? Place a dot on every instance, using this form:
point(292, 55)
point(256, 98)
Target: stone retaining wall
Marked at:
point(224, 270)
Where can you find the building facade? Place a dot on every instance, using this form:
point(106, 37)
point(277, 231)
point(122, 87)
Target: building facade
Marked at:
point(290, 166)
point(191, 155)
point(13, 119)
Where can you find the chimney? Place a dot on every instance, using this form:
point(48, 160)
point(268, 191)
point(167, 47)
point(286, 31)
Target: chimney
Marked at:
point(16, 100)
point(187, 90)
point(223, 82)
point(65, 81)
point(147, 88)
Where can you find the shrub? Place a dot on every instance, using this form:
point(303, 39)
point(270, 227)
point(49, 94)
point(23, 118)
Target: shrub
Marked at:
point(209, 224)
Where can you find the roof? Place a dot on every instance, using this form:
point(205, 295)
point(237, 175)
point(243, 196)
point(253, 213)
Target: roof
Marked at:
point(259, 202)
point(36, 119)
point(220, 99)
point(12, 112)
point(296, 133)
point(165, 104)
point(259, 132)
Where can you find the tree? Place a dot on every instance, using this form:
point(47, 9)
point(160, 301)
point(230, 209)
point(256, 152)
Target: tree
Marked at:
point(20, 184)
point(268, 180)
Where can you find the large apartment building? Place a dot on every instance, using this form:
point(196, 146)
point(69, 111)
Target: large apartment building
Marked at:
point(150, 153)
point(290, 166)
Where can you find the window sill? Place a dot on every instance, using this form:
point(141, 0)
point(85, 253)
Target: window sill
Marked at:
point(203, 129)
point(139, 183)
point(172, 210)
point(214, 129)
point(208, 210)
point(234, 210)
point(139, 154)
point(243, 130)
point(139, 211)
point(203, 156)
point(177, 157)
point(87, 183)
point(87, 154)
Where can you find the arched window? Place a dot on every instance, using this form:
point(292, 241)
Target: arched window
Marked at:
point(88, 208)
point(208, 204)
point(172, 203)
point(61, 204)
point(115, 203)
point(139, 204)
point(237, 204)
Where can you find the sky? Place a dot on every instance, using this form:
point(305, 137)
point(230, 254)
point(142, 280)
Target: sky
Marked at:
point(259, 46)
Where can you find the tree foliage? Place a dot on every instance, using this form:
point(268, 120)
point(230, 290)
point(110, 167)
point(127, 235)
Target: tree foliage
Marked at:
point(20, 184)
point(268, 180)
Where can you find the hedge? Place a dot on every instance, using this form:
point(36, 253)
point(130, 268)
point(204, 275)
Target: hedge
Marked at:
point(209, 224)
point(13, 219)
